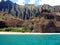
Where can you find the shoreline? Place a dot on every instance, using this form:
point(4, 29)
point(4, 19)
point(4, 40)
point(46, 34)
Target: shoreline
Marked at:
point(27, 33)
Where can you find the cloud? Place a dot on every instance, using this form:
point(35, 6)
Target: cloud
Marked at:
point(50, 2)
point(32, 2)
point(39, 2)
point(21, 2)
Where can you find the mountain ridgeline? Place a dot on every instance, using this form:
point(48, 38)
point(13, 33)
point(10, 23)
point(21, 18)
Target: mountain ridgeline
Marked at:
point(27, 11)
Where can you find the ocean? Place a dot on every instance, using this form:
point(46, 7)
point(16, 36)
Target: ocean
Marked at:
point(18, 39)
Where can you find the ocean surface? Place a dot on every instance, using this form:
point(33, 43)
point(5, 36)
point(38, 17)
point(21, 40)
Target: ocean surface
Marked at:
point(19, 39)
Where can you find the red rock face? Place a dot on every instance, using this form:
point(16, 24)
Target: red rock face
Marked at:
point(13, 22)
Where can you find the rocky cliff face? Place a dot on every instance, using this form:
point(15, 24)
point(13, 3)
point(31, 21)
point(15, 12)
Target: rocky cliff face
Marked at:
point(27, 11)
point(57, 8)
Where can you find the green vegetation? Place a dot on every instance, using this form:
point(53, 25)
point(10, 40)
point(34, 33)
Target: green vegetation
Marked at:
point(15, 29)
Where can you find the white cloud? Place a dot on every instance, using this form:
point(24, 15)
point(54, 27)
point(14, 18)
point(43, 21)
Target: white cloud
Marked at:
point(21, 2)
point(39, 2)
point(32, 1)
point(50, 2)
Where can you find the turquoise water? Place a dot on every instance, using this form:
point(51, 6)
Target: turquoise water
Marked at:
point(29, 39)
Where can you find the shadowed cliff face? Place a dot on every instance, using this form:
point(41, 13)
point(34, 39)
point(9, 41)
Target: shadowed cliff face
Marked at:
point(3, 24)
point(27, 11)
point(6, 5)
point(18, 10)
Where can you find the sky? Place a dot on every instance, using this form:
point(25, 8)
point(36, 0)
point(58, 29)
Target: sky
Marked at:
point(37, 2)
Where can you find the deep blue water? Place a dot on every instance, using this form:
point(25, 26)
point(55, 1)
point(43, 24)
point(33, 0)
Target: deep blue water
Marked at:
point(29, 39)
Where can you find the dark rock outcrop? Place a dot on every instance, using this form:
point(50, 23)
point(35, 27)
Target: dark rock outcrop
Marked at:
point(3, 24)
